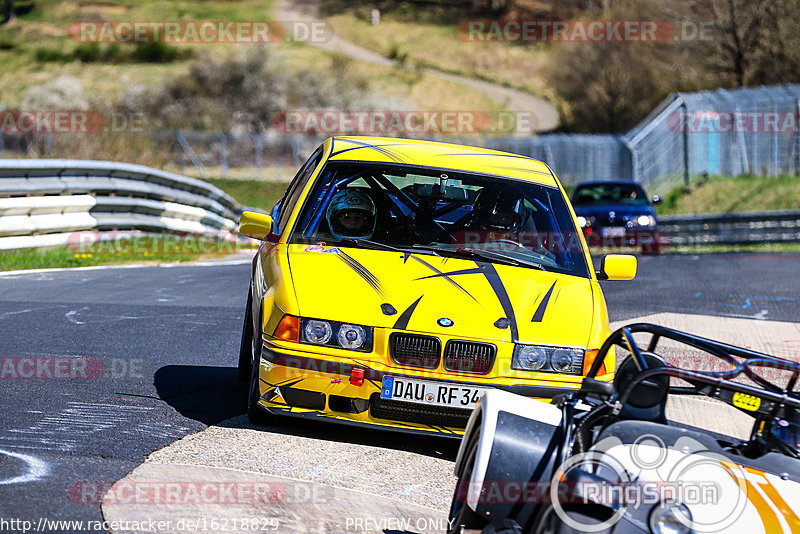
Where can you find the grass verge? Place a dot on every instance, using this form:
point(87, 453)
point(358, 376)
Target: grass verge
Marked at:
point(731, 195)
point(123, 248)
point(253, 193)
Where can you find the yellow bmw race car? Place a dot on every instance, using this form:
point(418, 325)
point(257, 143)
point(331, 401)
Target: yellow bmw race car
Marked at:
point(399, 280)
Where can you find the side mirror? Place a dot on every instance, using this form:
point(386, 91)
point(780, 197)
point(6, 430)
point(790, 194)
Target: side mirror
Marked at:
point(255, 225)
point(656, 199)
point(617, 267)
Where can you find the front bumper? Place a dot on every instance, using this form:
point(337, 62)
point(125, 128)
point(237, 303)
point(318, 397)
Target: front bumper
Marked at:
point(647, 239)
point(316, 387)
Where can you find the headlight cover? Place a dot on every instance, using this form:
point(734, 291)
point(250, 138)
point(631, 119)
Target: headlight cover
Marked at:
point(564, 360)
point(670, 518)
point(335, 334)
point(646, 220)
point(351, 336)
point(317, 332)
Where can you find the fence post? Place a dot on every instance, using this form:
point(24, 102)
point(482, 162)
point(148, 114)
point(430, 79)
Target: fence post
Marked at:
point(223, 153)
point(775, 164)
point(296, 162)
point(685, 133)
point(790, 88)
point(258, 142)
point(191, 154)
point(634, 176)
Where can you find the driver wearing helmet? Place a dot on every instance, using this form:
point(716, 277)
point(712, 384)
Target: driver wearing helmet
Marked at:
point(500, 220)
point(500, 210)
point(351, 214)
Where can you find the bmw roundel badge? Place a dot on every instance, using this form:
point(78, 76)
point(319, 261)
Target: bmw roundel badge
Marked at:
point(444, 322)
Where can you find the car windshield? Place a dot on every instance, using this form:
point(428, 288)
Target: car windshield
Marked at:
point(630, 194)
point(441, 212)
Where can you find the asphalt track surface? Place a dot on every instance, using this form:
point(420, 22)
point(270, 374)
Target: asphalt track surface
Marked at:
point(158, 349)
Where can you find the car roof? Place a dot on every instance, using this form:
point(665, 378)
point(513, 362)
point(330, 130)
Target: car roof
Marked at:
point(440, 156)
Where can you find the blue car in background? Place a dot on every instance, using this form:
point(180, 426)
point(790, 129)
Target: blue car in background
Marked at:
point(618, 214)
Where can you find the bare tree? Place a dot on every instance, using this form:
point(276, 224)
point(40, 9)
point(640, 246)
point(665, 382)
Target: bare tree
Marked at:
point(606, 87)
point(8, 11)
point(740, 28)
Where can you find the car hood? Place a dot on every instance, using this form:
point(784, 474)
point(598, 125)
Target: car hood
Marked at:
point(420, 293)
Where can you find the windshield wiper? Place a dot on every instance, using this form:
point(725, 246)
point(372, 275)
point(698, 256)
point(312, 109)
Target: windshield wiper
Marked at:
point(484, 254)
point(374, 245)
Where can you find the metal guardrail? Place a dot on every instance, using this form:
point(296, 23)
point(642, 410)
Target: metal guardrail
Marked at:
point(43, 201)
point(781, 226)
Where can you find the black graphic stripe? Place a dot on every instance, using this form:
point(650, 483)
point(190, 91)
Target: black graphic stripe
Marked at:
point(405, 317)
point(539, 314)
point(271, 393)
point(500, 292)
point(446, 277)
point(499, 155)
point(378, 148)
point(521, 169)
point(474, 270)
point(363, 272)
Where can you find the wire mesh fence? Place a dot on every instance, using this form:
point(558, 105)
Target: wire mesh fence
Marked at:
point(753, 131)
point(723, 132)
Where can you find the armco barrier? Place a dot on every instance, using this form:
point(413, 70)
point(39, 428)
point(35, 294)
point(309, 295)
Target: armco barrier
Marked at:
point(43, 200)
point(732, 228)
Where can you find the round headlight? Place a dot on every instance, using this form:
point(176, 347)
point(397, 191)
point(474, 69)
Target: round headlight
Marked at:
point(671, 518)
point(351, 336)
point(582, 221)
point(645, 220)
point(561, 360)
point(318, 332)
point(531, 358)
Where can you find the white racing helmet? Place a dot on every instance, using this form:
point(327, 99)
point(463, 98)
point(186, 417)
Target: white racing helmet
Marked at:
point(351, 213)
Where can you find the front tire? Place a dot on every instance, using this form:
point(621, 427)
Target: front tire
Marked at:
point(461, 516)
point(246, 344)
point(256, 415)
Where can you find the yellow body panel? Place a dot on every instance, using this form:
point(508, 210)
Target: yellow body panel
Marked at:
point(351, 284)
point(442, 156)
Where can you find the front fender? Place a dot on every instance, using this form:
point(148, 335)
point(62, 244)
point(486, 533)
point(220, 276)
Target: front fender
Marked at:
point(517, 441)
